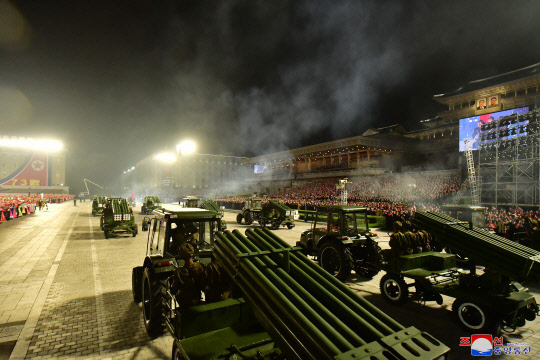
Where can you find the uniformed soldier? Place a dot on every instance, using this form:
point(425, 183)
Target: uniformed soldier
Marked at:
point(217, 287)
point(425, 239)
point(189, 280)
point(412, 239)
point(397, 240)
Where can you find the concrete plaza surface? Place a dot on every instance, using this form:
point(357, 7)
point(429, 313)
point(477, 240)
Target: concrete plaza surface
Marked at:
point(65, 292)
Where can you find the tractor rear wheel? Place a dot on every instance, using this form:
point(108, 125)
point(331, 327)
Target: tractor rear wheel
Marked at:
point(336, 259)
point(106, 234)
point(394, 289)
point(239, 218)
point(136, 283)
point(101, 223)
point(152, 304)
point(248, 218)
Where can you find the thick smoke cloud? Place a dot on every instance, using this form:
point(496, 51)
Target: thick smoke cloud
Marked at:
point(122, 80)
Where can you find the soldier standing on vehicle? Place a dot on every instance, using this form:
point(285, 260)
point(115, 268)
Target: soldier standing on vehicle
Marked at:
point(414, 246)
point(397, 240)
point(189, 280)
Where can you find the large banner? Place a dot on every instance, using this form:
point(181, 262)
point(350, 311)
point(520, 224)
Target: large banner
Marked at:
point(31, 173)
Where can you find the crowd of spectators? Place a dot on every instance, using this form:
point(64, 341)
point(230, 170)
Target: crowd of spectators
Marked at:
point(15, 205)
point(515, 224)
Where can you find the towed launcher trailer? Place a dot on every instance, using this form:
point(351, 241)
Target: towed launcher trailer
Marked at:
point(98, 204)
point(150, 203)
point(117, 217)
point(282, 306)
point(485, 301)
point(276, 214)
point(211, 205)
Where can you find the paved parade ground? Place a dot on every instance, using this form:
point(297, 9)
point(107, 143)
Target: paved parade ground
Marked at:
point(65, 292)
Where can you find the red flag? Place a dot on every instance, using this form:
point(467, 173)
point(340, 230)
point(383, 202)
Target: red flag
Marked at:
point(132, 197)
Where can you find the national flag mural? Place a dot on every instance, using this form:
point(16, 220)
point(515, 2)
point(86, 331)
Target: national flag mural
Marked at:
point(33, 172)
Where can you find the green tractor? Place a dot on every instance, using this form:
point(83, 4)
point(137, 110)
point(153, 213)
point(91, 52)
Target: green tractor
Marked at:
point(487, 295)
point(169, 229)
point(98, 203)
point(277, 214)
point(150, 203)
point(250, 212)
point(341, 240)
point(117, 217)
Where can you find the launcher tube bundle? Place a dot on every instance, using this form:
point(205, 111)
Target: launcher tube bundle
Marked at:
point(309, 313)
point(482, 247)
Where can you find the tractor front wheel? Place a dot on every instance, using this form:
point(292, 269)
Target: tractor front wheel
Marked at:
point(336, 259)
point(394, 289)
point(289, 226)
point(275, 225)
point(239, 218)
point(152, 304)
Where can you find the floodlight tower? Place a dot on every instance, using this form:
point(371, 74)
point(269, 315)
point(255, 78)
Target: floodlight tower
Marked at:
point(342, 185)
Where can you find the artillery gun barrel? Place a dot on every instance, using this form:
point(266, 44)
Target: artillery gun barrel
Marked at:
point(509, 258)
point(310, 314)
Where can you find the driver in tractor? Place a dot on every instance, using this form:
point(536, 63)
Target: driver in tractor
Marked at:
point(182, 234)
point(334, 225)
point(189, 280)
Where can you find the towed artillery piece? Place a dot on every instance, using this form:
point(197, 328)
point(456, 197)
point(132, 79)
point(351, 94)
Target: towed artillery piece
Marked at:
point(343, 242)
point(117, 217)
point(282, 305)
point(483, 302)
point(98, 204)
point(150, 203)
point(277, 214)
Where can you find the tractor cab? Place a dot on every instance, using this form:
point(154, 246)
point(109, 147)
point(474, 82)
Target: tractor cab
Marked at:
point(192, 202)
point(171, 228)
point(253, 204)
point(340, 221)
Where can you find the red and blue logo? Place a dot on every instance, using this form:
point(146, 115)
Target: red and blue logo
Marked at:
point(482, 344)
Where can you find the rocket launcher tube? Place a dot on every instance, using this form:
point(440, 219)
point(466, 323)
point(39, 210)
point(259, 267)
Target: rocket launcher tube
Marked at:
point(344, 293)
point(348, 315)
point(307, 301)
point(301, 305)
point(279, 300)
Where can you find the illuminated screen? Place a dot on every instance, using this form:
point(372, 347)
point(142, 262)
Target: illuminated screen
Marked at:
point(469, 128)
point(259, 169)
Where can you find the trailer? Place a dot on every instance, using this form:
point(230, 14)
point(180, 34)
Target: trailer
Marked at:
point(98, 204)
point(117, 217)
point(488, 296)
point(282, 306)
point(150, 203)
point(276, 214)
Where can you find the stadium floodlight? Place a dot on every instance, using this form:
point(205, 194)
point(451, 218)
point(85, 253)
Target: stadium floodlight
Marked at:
point(32, 144)
point(186, 147)
point(165, 157)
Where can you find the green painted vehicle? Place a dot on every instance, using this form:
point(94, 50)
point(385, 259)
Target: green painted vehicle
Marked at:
point(276, 214)
point(211, 205)
point(250, 212)
point(487, 295)
point(282, 306)
point(117, 217)
point(98, 204)
point(341, 240)
point(149, 204)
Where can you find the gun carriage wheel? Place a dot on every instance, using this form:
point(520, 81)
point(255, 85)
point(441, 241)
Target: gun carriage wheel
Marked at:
point(394, 289)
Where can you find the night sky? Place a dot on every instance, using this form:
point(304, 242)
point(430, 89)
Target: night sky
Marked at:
point(117, 81)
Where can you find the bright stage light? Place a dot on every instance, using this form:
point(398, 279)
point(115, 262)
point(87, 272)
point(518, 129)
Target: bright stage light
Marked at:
point(165, 157)
point(32, 144)
point(186, 147)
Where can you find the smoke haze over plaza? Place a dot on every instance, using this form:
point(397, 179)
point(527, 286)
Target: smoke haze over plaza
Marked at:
point(119, 81)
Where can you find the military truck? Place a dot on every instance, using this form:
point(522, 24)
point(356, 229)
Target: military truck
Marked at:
point(277, 214)
point(150, 203)
point(250, 212)
point(117, 217)
point(341, 240)
point(486, 292)
point(98, 203)
point(169, 229)
point(282, 306)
